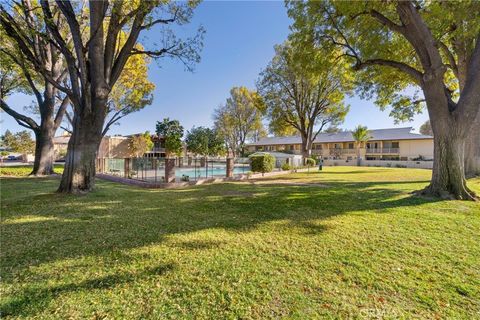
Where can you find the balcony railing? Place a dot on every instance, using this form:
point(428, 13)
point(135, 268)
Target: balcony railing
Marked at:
point(383, 150)
point(348, 151)
point(334, 151)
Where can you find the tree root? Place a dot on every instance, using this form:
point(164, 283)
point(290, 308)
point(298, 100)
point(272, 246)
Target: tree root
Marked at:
point(428, 192)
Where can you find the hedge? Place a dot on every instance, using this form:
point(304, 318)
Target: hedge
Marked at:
point(262, 162)
point(310, 162)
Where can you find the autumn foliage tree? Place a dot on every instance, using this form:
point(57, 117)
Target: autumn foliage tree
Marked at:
point(399, 46)
point(240, 119)
point(140, 143)
point(95, 56)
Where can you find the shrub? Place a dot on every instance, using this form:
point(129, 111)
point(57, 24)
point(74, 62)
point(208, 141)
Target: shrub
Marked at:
point(286, 167)
point(398, 165)
point(262, 162)
point(310, 162)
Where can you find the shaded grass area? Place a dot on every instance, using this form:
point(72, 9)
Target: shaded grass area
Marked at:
point(24, 170)
point(342, 243)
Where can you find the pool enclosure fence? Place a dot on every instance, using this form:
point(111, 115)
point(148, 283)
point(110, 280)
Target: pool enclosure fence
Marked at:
point(160, 169)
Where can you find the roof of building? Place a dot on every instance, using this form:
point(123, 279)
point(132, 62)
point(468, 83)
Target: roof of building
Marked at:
point(61, 139)
point(346, 136)
point(278, 155)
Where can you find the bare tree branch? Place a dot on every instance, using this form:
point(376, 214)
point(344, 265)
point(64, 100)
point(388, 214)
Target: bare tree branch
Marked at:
point(21, 119)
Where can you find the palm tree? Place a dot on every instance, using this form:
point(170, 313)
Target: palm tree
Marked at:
point(360, 134)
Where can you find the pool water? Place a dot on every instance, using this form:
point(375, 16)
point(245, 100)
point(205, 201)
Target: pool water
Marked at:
point(202, 172)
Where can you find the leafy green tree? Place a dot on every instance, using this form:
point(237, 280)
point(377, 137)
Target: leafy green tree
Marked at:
point(19, 75)
point(204, 141)
point(240, 119)
point(426, 128)
point(279, 127)
point(361, 135)
point(303, 91)
point(431, 48)
point(88, 35)
point(20, 142)
point(140, 143)
point(172, 132)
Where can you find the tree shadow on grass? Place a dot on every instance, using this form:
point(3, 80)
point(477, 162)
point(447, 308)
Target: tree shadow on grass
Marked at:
point(118, 217)
point(66, 227)
point(34, 299)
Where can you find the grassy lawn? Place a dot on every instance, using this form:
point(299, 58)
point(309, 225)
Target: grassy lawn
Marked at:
point(345, 243)
point(24, 170)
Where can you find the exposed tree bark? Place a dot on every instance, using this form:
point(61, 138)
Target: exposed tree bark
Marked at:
point(79, 172)
point(47, 59)
point(451, 121)
point(472, 150)
point(94, 62)
point(44, 132)
point(44, 152)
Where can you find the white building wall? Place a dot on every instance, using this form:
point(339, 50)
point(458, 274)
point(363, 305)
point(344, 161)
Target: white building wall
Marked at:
point(415, 148)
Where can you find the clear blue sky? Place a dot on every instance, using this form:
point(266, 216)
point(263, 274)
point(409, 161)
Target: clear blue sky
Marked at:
point(238, 44)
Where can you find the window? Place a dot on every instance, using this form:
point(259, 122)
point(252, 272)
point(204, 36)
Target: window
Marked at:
point(292, 147)
point(395, 144)
point(350, 146)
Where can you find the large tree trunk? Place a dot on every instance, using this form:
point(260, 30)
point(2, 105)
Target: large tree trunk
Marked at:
point(472, 150)
point(79, 173)
point(44, 151)
point(306, 149)
point(448, 175)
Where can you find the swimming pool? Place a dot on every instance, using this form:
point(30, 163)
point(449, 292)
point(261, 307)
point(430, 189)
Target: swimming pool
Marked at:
point(197, 173)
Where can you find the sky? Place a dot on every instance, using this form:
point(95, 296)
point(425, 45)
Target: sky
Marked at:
point(238, 44)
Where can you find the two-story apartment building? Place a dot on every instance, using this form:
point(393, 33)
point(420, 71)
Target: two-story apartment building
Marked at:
point(384, 144)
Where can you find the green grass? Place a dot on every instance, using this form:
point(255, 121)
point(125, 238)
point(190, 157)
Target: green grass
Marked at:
point(344, 243)
point(24, 170)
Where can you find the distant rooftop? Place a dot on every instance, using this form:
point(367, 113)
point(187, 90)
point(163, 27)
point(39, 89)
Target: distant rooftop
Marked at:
point(346, 136)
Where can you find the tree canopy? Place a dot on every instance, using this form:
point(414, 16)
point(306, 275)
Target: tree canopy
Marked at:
point(303, 90)
point(172, 132)
point(20, 142)
point(204, 141)
point(140, 143)
point(97, 39)
point(407, 53)
point(240, 119)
